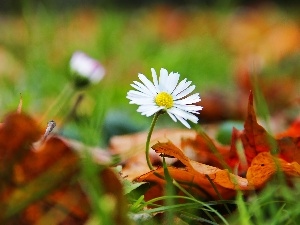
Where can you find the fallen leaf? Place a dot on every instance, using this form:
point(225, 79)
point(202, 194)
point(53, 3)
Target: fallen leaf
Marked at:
point(255, 138)
point(205, 150)
point(131, 149)
point(292, 131)
point(194, 177)
point(264, 166)
point(289, 149)
point(39, 185)
point(20, 197)
point(68, 205)
point(39, 160)
point(17, 133)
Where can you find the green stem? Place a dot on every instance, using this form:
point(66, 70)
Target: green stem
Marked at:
point(148, 139)
point(59, 102)
point(217, 192)
point(191, 196)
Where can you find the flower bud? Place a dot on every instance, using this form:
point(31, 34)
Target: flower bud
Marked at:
point(85, 69)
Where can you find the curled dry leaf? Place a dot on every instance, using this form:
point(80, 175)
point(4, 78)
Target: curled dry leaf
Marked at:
point(131, 149)
point(196, 184)
point(194, 176)
point(254, 137)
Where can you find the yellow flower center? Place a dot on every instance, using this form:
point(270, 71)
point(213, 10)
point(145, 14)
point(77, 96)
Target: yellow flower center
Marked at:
point(164, 99)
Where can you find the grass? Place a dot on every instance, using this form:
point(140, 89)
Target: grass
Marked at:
point(43, 45)
point(37, 46)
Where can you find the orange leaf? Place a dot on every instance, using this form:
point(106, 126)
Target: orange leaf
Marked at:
point(195, 175)
point(131, 149)
point(292, 131)
point(37, 161)
point(205, 150)
point(17, 133)
point(289, 142)
point(289, 149)
point(197, 184)
point(39, 186)
point(67, 205)
point(264, 166)
point(254, 137)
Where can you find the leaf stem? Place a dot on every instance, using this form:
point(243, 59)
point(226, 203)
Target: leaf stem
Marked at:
point(148, 139)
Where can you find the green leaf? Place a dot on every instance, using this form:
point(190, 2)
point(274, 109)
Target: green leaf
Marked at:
point(130, 186)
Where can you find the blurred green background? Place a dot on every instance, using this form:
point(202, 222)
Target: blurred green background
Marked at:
point(218, 45)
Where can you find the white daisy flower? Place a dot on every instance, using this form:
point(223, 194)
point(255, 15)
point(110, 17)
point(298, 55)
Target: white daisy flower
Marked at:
point(86, 69)
point(166, 94)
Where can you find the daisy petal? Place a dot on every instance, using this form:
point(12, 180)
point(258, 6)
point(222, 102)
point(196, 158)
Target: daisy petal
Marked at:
point(139, 86)
point(142, 101)
point(136, 93)
point(184, 114)
point(172, 116)
point(163, 80)
point(148, 83)
point(181, 87)
point(189, 108)
point(172, 82)
point(185, 92)
point(155, 81)
point(183, 121)
point(189, 100)
point(148, 110)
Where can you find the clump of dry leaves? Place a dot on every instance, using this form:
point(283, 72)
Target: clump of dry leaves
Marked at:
point(39, 180)
point(206, 165)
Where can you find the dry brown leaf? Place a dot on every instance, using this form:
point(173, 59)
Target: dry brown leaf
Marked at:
point(196, 184)
point(196, 174)
point(131, 149)
point(37, 161)
point(264, 166)
point(17, 133)
point(39, 185)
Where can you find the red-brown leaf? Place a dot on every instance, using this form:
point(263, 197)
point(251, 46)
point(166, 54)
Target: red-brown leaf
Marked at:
point(254, 137)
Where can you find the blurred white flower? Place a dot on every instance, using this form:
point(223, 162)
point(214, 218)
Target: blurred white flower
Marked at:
point(86, 69)
point(166, 94)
